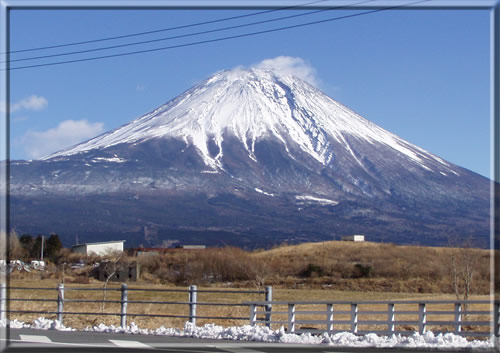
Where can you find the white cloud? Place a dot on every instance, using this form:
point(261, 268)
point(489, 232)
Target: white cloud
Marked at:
point(32, 102)
point(288, 65)
point(69, 132)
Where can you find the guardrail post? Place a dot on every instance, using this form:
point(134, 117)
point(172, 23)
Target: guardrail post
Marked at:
point(123, 315)
point(354, 318)
point(329, 317)
point(422, 317)
point(60, 302)
point(291, 318)
point(269, 307)
point(390, 317)
point(253, 314)
point(3, 301)
point(496, 318)
point(193, 295)
point(458, 317)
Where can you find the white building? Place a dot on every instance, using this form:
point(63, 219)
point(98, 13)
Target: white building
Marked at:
point(99, 248)
point(355, 237)
point(193, 247)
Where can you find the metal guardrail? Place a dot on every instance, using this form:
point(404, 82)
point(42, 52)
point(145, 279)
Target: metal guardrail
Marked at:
point(419, 316)
point(124, 301)
point(465, 318)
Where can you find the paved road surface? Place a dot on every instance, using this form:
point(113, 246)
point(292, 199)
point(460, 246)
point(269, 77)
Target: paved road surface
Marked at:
point(29, 340)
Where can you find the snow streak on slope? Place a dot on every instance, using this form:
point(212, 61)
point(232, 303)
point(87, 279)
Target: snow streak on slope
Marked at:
point(254, 104)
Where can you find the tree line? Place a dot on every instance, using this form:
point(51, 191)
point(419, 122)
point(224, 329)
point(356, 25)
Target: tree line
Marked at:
point(27, 247)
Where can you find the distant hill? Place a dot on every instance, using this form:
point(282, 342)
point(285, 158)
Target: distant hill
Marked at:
point(369, 266)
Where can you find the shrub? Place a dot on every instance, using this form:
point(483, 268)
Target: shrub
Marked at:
point(150, 262)
point(363, 271)
point(312, 270)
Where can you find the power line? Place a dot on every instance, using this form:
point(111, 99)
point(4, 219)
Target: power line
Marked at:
point(216, 39)
point(182, 35)
point(163, 29)
point(213, 40)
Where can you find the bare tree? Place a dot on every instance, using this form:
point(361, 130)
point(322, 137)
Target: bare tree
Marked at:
point(111, 268)
point(261, 271)
point(16, 251)
point(464, 258)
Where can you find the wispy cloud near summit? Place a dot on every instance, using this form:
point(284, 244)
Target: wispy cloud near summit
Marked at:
point(289, 65)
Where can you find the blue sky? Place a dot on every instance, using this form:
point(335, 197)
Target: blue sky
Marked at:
point(421, 74)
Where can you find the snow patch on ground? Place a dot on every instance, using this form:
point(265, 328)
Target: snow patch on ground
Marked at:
point(321, 201)
point(113, 159)
point(263, 192)
point(209, 172)
point(265, 334)
point(40, 324)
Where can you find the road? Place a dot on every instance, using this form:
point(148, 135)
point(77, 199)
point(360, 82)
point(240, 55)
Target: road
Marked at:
point(29, 340)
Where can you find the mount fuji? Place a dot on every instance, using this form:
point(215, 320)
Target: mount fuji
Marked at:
point(249, 157)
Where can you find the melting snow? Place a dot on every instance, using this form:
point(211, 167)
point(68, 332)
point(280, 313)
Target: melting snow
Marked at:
point(265, 334)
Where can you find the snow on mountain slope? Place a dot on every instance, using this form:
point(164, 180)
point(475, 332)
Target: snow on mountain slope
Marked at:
point(249, 157)
point(252, 105)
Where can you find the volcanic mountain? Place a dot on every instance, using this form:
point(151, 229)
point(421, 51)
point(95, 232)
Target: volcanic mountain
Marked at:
point(248, 157)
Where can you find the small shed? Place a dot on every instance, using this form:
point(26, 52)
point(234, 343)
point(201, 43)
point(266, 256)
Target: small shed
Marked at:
point(99, 248)
point(356, 237)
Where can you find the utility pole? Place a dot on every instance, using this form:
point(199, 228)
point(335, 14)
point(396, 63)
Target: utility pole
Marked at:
point(41, 253)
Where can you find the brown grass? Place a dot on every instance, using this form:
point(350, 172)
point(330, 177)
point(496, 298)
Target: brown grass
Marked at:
point(347, 266)
point(391, 268)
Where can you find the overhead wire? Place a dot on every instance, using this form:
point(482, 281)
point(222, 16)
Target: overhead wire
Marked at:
point(180, 35)
point(216, 39)
point(164, 29)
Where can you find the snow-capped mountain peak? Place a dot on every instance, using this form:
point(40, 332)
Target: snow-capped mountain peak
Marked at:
point(249, 156)
point(255, 104)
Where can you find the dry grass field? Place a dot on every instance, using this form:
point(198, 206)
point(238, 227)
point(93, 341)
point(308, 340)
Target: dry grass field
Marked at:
point(393, 268)
point(312, 271)
point(347, 266)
